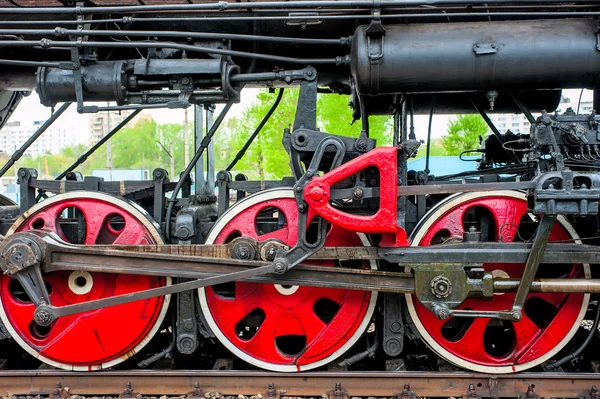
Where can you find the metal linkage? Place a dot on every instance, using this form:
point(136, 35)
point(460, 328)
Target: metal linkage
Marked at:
point(30, 253)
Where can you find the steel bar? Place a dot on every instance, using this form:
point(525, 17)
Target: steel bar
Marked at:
point(313, 384)
point(225, 6)
point(478, 253)
point(19, 153)
point(176, 34)
point(573, 286)
point(47, 43)
point(99, 144)
point(533, 260)
point(197, 155)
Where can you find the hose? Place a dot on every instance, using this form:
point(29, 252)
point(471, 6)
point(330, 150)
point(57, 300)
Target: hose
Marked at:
point(585, 343)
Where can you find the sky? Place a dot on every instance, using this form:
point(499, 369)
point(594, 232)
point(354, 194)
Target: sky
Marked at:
point(30, 108)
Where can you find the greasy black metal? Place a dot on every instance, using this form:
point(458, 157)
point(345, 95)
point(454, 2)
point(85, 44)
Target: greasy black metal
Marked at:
point(161, 33)
point(287, 259)
point(428, 150)
point(533, 261)
point(262, 123)
point(479, 253)
point(25, 177)
point(19, 153)
point(565, 198)
point(306, 110)
point(185, 174)
point(393, 324)
point(160, 177)
point(522, 107)
point(224, 6)
point(187, 325)
point(575, 354)
point(47, 43)
point(527, 48)
point(36, 64)
point(136, 188)
point(9, 105)
point(493, 128)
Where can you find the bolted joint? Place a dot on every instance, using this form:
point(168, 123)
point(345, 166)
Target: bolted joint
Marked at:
point(516, 314)
point(280, 266)
point(243, 249)
point(19, 254)
point(441, 286)
point(43, 315)
point(441, 311)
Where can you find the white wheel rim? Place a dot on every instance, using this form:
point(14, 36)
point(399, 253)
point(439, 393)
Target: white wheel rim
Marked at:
point(141, 215)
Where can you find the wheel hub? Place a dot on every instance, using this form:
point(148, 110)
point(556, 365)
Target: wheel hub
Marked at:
point(110, 335)
point(283, 327)
point(548, 321)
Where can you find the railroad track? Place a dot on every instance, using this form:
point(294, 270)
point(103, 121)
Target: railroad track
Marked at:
point(334, 385)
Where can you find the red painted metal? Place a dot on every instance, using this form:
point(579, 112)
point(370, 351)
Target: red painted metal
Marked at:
point(530, 340)
point(384, 221)
point(290, 314)
point(98, 337)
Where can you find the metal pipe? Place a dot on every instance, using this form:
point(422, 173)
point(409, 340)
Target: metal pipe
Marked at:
point(572, 286)
point(195, 35)
point(47, 43)
point(224, 6)
point(477, 56)
point(19, 153)
point(366, 16)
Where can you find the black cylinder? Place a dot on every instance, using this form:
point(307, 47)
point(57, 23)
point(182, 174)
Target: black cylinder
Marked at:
point(473, 56)
point(102, 81)
point(461, 103)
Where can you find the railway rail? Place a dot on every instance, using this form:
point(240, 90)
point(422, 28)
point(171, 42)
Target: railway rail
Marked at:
point(334, 385)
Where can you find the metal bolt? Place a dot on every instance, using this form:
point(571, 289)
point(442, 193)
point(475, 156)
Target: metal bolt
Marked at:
point(516, 315)
point(441, 312)
point(298, 189)
point(441, 286)
point(396, 327)
point(316, 193)
point(358, 193)
point(280, 267)
point(185, 81)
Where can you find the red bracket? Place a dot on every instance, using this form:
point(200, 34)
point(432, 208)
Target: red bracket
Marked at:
point(384, 221)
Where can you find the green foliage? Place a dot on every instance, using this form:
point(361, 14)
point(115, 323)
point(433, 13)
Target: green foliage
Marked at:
point(464, 133)
point(266, 158)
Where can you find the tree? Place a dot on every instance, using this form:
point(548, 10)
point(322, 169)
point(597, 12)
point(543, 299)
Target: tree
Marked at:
point(266, 158)
point(464, 133)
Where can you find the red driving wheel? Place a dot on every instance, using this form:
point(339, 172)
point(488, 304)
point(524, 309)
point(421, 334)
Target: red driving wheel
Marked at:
point(499, 346)
point(278, 327)
point(96, 339)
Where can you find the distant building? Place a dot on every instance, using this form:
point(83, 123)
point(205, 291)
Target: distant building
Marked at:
point(15, 133)
point(518, 123)
point(103, 122)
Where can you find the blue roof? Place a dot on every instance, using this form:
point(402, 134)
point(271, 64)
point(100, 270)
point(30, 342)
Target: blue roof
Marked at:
point(442, 165)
